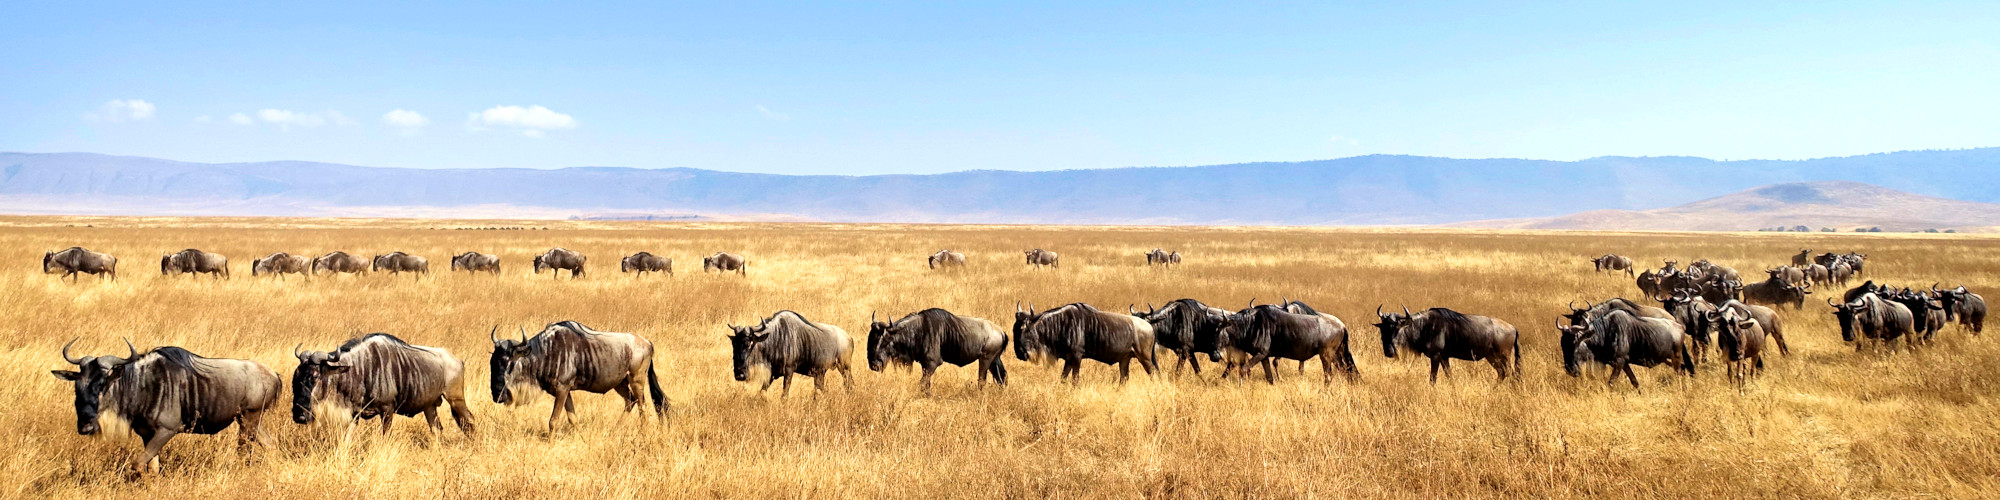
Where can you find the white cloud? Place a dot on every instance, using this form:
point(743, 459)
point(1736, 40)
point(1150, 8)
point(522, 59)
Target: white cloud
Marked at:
point(409, 122)
point(772, 114)
point(286, 119)
point(121, 110)
point(204, 119)
point(239, 119)
point(534, 121)
point(1347, 141)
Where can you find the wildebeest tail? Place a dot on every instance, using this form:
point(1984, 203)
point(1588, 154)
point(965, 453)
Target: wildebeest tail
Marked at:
point(1347, 356)
point(999, 369)
point(1517, 354)
point(660, 404)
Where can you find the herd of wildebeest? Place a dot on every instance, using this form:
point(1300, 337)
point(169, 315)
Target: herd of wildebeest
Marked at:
point(168, 390)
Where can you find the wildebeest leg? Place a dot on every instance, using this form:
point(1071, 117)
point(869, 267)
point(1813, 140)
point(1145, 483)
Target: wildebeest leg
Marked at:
point(436, 426)
point(247, 430)
point(1270, 371)
point(930, 368)
point(388, 415)
point(631, 396)
point(1124, 370)
point(846, 377)
point(1325, 365)
point(1072, 369)
point(1436, 362)
point(1632, 376)
point(788, 386)
point(150, 459)
point(556, 412)
point(1302, 367)
point(1782, 348)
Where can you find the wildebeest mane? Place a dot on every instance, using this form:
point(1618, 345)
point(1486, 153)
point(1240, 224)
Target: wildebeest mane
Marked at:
point(1068, 324)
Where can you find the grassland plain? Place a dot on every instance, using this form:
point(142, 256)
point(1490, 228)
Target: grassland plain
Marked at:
point(1823, 422)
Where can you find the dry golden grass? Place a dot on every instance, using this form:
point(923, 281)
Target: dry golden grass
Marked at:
point(1824, 422)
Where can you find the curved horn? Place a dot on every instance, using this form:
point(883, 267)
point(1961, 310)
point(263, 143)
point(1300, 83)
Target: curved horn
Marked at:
point(130, 352)
point(1378, 310)
point(1829, 301)
point(1572, 306)
point(295, 351)
point(1132, 309)
point(65, 353)
point(1017, 306)
point(871, 317)
point(524, 333)
point(1253, 302)
point(494, 335)
point(1406, 312)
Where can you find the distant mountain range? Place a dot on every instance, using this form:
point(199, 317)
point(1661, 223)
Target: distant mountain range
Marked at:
point(1366, 190)
point(1839, 205)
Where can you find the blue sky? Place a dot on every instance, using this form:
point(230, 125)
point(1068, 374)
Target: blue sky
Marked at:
point(917, 88)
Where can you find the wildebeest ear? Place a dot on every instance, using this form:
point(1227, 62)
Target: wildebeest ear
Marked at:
point(66, 375)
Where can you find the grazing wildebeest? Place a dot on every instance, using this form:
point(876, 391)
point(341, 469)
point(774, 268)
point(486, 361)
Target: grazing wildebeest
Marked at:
point(74, 260)
point(644, 262)
point(168, 391)
point(726, 262)
point(1767, 320)
point(1818, 276)
point(339, 262)
point(1776, 291)
point(1186, 327)
point(1613, 262)
point(946, 258)
point(1269, 332)
point(1839, 273)
point(191, 261)
point(1076, 332)
point(1963, 306)
point(1877, 319)
point(1162, 257)
point(1742, 340)
point(787, 344)
point(279, 264)
point(567, 356)
point(379, 375)
point(1442, 335)
point(1804, 257)
point(475, 262)
point(557, 260)
point(1620, 339)
point(399, 262)
point(1039, 257)
point(933, 337)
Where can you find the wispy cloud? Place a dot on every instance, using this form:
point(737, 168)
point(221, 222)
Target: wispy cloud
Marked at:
point(406, 121)
point(240, 119)
point(772, 114)
point(533, 121)
point(285, 119)
point(121, 110)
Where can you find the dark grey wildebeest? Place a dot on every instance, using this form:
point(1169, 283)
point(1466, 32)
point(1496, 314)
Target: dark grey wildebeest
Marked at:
point(1776, 291)
point(1768, 321)
point(1270, 332)
point(1649, 283)
point(169, 391)
point(788, 344)
point(1867, 287)
point(379, 375)
point(567, 356)
point(1039, 257)
point(1076, 332)
point(1614, 262)
point(726, 262)
point(1620, 339)
point(1964, 307)
point(74, 260)
point(280, 264)
point(339, 262)
point(1826, 259)
point(946, 258)
point(1927, 313)
point(934, 336)
point(476, 262)
point(399, 262)
point(646, 262)
point(192, 261)
point(1691, 311)
point(1442, 335)
point(557, 260)
point(1869, 318)
point(1187, 327)
point(1742, 341)
point(1162, 257)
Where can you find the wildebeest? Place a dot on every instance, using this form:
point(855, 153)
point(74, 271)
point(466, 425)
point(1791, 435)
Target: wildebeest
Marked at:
point(946, 258)
point(168, 391)
point(1076, 332)
point(1818, 276)
point(1649, 283)
point(1039, 257)
point(1826, 259)
point(1186, 327)
point(1791, 275)
point(567, 356)
point(1691, 311)
point(558, 260)
point(279, 264)
point(1266, 333)
point(1613, 262)
point(399, 262)
point(1867, 287)
point(726, 262)
point(1803, 257)
point(1742, 341)
point(1162, 257)
point(1875, 318)
point(934, 336)
point(1718, 290)
point(1776, 291)
point(339, 262)
point(476, 262)
point(1768, 321)
point(788, 344)
point(192, 261)
point(1443, 334)
point(1839, 273)
point(1857, 260)
point(1620, 339)
point(1963, 306)
point(379, 375)
point(644, 262)
point(74, 260)
point(1927, 315)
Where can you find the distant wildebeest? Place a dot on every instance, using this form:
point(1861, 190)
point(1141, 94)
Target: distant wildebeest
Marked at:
point(1742, 341)
point(946, 258)
point(1776, 291)
point(1839, 273)
point(1613, 262)
point(726, 262)
point(379, 375)
point(279, 264)
point(787, 344)
point(191, 261)
point(339, 262)
point(399, 262)
point(557, 260)
point(1186, 327)
point(567, 356)
point(1875, 318)
point(1620, 339)
point(1857, 260)
point(1963, 306)
point(1442, 335)
point(1802, 258)
point(1791, 275)
point(933, 337)
point(1818, 276)
point(1826, 259)
point(476, 262)
point(74, 260)
point(1162, 257)
point(1039, 257)
point(1076, 332)
point(168, 391)
point(644, 262)
point(1266, 333)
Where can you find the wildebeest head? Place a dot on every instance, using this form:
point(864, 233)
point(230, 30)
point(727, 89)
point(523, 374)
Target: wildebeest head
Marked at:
point(877, 356)
point(314, 367)
point(1023, 320)
point(1574, 353)
point(743, 342)
point(540, 263)
point(1846, 314)
point(1729, 330)
point(507, 354)
point(47, 259)
point(1392, 326)
point(94, 374)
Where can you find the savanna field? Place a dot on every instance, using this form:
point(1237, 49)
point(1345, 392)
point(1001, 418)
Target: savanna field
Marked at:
point(1824, 422)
